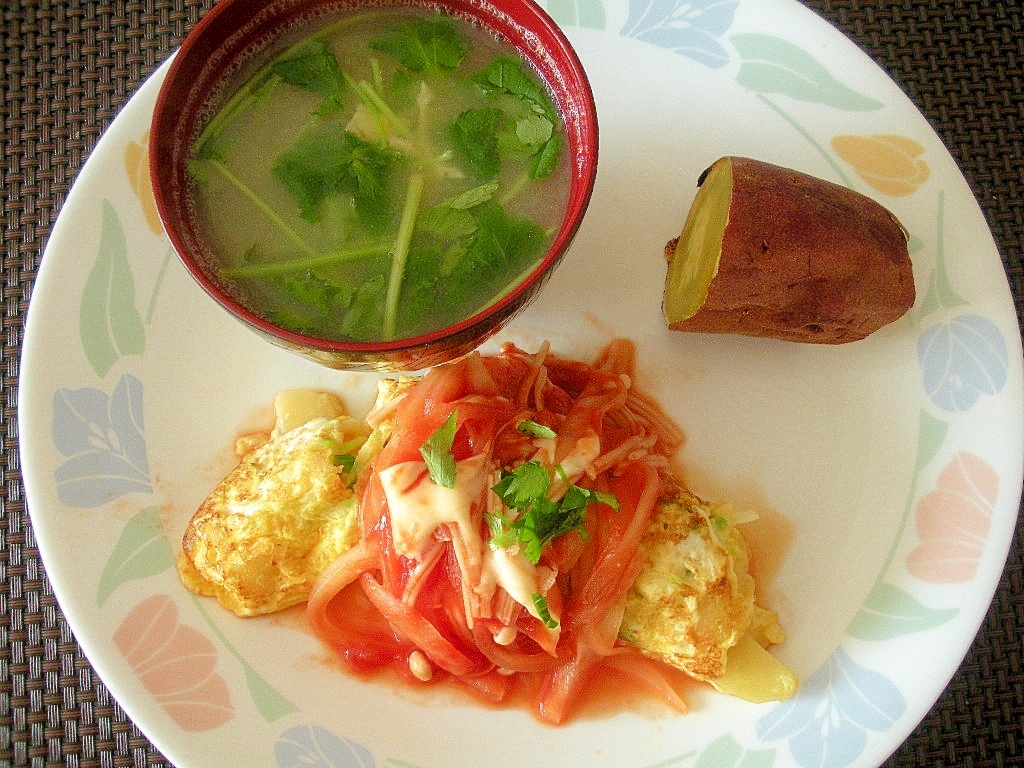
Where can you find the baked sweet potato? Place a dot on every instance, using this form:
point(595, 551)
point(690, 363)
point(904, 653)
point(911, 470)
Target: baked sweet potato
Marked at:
point(768, 251)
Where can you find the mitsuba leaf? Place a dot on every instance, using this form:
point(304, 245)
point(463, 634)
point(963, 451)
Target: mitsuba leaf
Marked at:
point(538, 520)
point(508, 74)
point(533, 429)
point(309, 303)
point(520, 487)
point(369, 172)
point(314, 168)
point(525, 136)
point(479, 264)
point(327, 160)
point(437, 452)
point(529, 127)
point(474, 136)
point(474, 196)
point(365, 311)
point(311, 66)
point(424, 45)
point(534, 130)
point(546, 160)
point(462, 256)
point(404, 86)
point(423, 295)
point(447, 223)
point(503, 241)
point(452, 219)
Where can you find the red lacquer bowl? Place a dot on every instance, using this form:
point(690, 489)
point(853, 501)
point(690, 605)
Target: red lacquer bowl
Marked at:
point(221, 46)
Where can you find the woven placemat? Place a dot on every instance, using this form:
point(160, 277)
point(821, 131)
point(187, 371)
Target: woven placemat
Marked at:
point(68, 67)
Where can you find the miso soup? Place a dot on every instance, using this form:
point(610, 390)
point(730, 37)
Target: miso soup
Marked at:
point(389, 175)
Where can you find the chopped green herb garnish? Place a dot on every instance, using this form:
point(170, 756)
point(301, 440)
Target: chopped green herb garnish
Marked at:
point(344, 460)
point(437, 452)
point(537, 520)
point(531, 428)
point(541, 604)
point(522, 486)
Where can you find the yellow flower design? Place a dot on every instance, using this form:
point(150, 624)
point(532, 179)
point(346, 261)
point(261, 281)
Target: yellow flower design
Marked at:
point(136, 163)
point(891, 164)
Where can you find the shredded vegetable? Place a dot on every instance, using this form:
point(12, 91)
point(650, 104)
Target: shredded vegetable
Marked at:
point(511, 573)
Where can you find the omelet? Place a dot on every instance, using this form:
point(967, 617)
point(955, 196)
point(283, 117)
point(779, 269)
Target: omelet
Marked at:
point(693, 606)
point(282, 515)
point(259, 541)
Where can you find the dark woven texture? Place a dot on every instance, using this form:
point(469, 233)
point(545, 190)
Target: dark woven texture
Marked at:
point(68, 67)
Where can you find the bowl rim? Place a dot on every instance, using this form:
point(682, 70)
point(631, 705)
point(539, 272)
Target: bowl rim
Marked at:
point(521, 23)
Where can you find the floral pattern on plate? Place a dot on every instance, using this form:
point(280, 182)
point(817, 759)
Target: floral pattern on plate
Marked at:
point(97, 425)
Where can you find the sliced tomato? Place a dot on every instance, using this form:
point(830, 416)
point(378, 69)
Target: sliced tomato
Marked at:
point(445, 611)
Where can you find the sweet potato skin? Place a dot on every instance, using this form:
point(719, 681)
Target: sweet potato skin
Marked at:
point(803, 260)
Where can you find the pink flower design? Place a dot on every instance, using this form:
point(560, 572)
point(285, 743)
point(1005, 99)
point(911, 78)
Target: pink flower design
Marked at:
point(953, 522)
point(175, 664)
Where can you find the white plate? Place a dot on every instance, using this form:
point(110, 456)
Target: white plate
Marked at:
point(888, 471)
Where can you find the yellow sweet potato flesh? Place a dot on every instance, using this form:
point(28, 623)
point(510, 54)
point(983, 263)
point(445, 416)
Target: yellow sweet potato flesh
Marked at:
point(768, 251)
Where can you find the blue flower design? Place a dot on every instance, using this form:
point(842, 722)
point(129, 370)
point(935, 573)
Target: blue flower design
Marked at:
point(826, 723)
point(309, 746)
point(962, 360)
point(102, 438)
point(687, 27)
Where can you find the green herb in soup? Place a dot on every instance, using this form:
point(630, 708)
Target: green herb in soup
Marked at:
point(389, 176)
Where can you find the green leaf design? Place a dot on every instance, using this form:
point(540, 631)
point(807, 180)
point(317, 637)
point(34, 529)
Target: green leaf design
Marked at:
point(108, 322)
point(773, 65)
point(931, 433)
point(671, 762)
point(891, 612)
point(940, 291)
point(268, 701)
point(588, 14)
point(726, 752)
point(151, 308)
point(879, 619)
point(141, 551)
